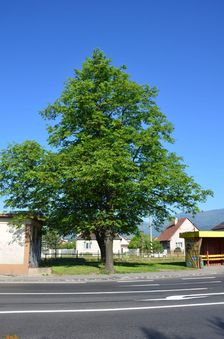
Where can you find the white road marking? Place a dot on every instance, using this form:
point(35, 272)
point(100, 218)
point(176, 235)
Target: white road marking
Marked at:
point(135, 281)
point(176, 284)
point(198, 278)
point(141, 285)
point(185, 297)
point(174, 297)
point(199, 283)
point(112, 309)
point(43, 282)
point(99, 293)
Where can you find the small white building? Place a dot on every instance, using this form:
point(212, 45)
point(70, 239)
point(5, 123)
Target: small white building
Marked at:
point(90, 245)
point(170, 237)
point(20, 247)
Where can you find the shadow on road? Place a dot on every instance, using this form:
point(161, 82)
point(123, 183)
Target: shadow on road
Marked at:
point(154, 334)
point(218, 325)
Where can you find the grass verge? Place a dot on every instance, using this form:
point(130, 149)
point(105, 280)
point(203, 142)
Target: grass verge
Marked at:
point(78, 266)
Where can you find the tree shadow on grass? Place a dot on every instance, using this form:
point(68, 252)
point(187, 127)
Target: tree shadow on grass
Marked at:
point(176, 263)
point(93, 262)
point(70, 262)
point(137, 264)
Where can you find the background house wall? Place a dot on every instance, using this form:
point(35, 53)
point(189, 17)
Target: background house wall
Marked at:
point(120, 246)
point(176, 241)
point(91, 246)
point(170, 237)
point(87, 246)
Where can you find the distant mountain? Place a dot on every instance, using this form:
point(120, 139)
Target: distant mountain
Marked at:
point(207, 219)
point(204, 220)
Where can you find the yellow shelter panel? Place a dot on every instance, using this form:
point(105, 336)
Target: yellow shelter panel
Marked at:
point(203, 234)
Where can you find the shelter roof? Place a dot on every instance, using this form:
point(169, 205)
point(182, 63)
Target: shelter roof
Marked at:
point(202, 234)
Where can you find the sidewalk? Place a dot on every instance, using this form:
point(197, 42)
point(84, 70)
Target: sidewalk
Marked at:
point(51, 278)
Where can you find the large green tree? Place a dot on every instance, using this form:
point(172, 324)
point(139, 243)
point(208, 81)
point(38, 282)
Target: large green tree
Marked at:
point(110, 165)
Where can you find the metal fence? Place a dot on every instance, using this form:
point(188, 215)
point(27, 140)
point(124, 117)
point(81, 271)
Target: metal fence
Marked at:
point(131, 254)
point(58, 253)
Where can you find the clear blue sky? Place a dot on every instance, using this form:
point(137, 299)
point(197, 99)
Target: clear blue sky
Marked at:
point(177, 46)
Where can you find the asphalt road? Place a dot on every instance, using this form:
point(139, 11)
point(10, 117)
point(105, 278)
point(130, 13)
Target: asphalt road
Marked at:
point(183, 308)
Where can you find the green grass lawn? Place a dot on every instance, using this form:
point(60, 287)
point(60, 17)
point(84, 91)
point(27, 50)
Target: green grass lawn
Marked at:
point(76, 266)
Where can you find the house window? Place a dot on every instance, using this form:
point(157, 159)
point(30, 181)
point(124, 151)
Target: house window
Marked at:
point(87, 245)
point(179, 244)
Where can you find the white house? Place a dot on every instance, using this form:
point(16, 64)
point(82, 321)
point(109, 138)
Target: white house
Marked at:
point(170, 237)
point(19, 246)
point(90, 245)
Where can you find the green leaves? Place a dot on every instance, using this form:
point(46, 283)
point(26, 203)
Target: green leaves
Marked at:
point(111, 165)
point(143, 242)
point(18, 165)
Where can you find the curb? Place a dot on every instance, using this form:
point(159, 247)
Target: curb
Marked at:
point(110, 278)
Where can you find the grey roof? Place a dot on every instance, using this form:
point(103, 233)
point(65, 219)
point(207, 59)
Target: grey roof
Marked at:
point(219, 227)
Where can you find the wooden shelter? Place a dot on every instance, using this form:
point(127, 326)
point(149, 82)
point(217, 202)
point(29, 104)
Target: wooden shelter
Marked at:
point(204, 248)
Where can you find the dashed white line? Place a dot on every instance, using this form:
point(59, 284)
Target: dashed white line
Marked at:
point(198, 282)
point(99, 293)
point(176, 284)
point(196, 278)
point(133, 281)
point(141, 285)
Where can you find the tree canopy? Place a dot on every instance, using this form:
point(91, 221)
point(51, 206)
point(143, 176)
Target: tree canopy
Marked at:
point(109, 165)
point(145, 244)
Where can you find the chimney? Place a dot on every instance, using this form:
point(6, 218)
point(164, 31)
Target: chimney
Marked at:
point(175, 221)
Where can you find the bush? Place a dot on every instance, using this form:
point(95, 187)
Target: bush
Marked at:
point(68, 245)
point(177, 250)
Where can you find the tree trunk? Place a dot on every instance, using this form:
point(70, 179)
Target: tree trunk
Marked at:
point(100, 237)
point(105, 242)
point(109, 264)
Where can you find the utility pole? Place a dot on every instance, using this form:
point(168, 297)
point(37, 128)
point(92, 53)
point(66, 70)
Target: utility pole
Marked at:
point(150, 233)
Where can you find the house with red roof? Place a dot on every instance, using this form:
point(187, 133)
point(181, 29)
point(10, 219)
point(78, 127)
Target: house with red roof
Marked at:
point(170, 237)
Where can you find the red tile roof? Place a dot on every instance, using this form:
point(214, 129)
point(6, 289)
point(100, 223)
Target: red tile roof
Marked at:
point(167, 234)
point(6, 215)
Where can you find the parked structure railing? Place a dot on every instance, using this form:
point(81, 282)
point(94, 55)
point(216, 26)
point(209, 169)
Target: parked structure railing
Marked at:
point(207, 258)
